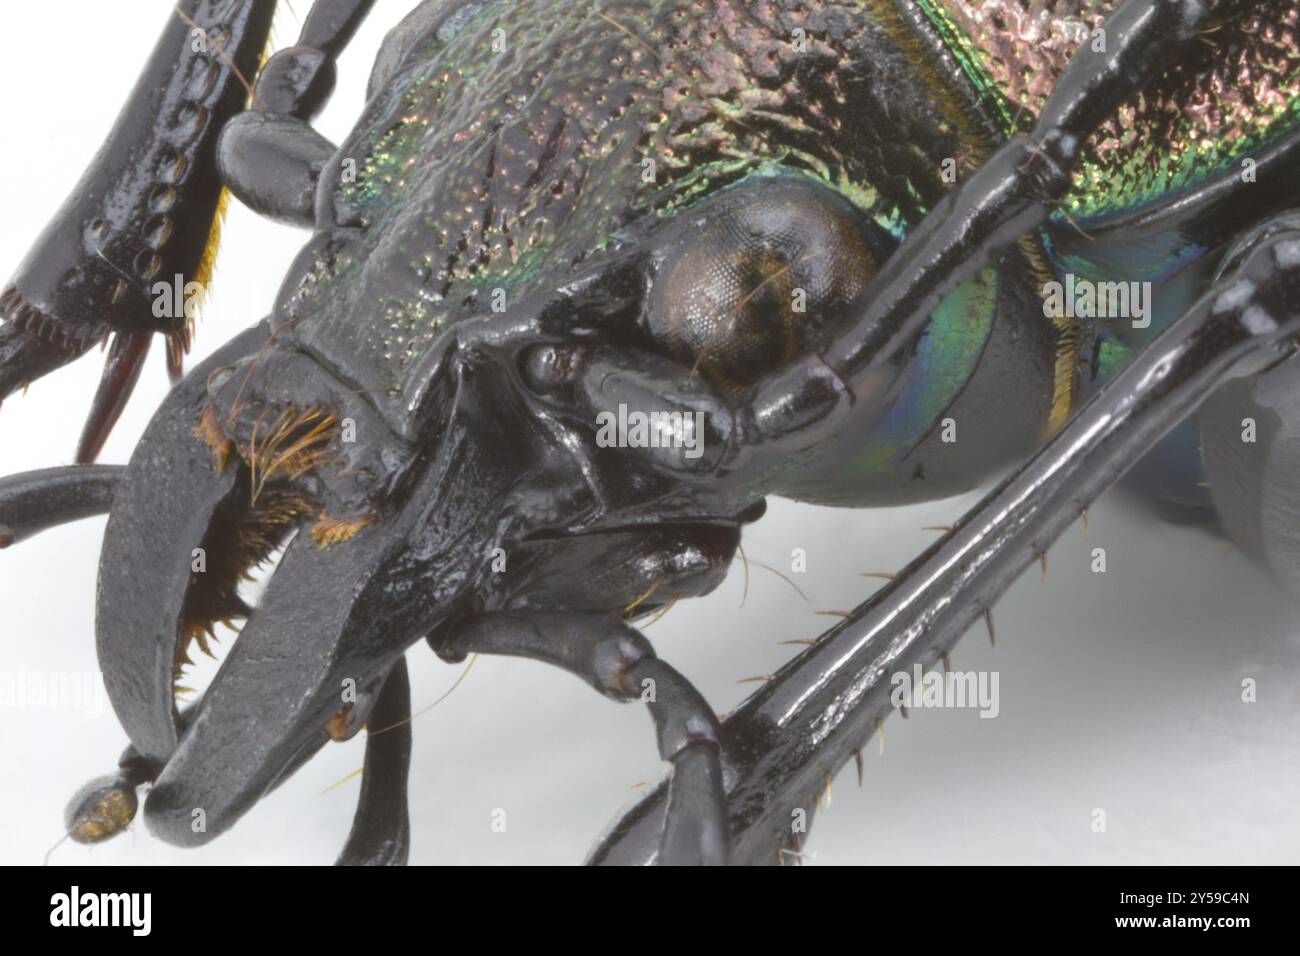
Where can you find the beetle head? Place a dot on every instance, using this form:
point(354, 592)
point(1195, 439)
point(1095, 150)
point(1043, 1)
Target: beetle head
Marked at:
point(385, 544)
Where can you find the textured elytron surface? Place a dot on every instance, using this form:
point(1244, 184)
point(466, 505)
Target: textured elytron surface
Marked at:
point(510, 149)
point(1238, 89)
point(523, 137)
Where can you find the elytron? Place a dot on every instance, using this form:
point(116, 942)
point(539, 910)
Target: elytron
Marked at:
point(828, 232)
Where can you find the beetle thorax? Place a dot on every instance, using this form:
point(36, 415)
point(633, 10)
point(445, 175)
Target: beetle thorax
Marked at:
point(514, 142)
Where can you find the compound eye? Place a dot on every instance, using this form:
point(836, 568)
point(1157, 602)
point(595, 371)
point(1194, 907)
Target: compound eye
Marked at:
point(762, 279)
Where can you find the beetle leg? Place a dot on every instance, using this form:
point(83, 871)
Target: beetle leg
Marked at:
point(1011, 194)
point(620, 663)
point(122, 370)
point(36, 500)
point(145, 211)
point(381, 831)
point(271, 163)
point(270, 156)
point(799, 729)
point(1252, 484)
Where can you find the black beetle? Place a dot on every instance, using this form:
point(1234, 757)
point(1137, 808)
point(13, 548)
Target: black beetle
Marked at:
point(497, 275)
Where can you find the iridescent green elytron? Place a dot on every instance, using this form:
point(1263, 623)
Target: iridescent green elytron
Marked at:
point(1237, 92)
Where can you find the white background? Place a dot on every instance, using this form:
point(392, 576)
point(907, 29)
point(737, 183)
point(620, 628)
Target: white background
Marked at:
point(1118, 691)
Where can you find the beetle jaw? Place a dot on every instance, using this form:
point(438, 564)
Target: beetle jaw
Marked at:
point(331, 624)
point(313, 645)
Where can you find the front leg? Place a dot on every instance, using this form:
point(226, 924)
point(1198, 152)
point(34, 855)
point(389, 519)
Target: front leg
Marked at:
point(34, 501)
point(270, 156)
point(144, 213)
point(381, 829)
point(620, 663)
